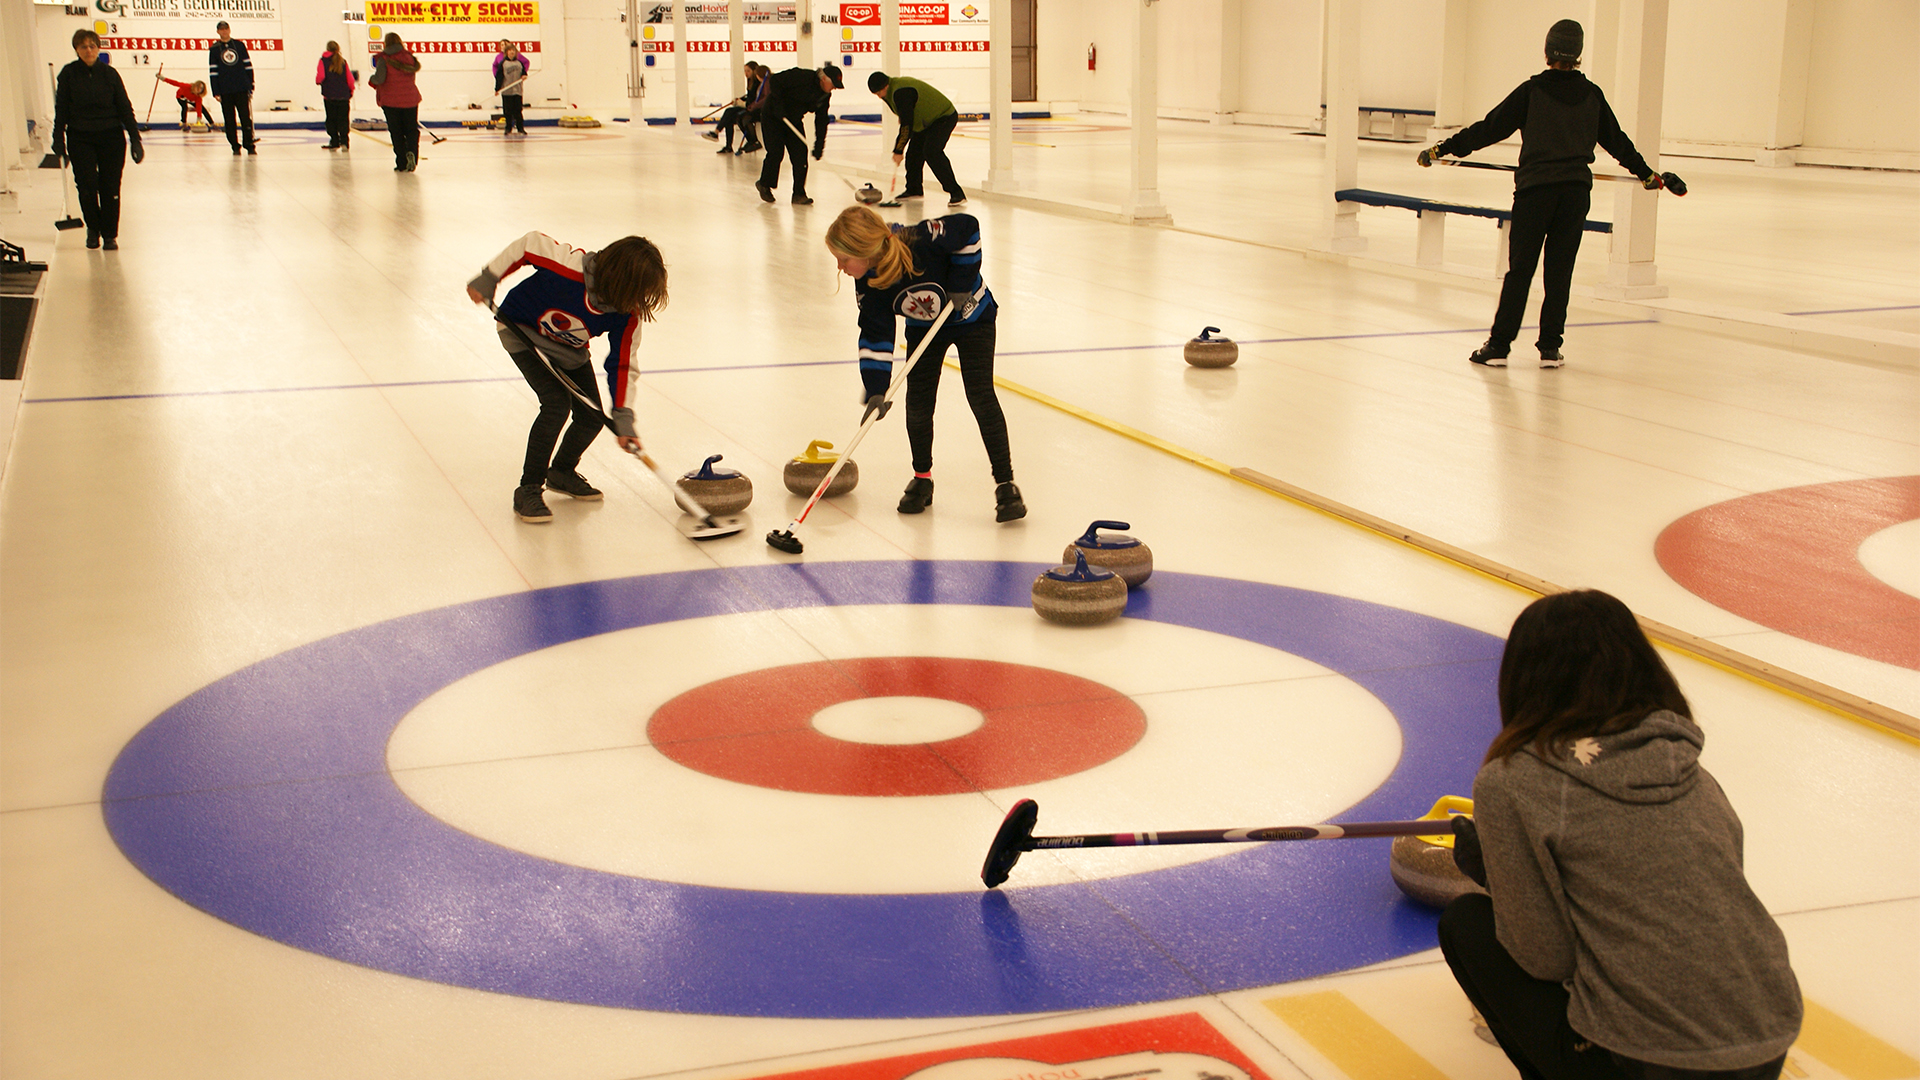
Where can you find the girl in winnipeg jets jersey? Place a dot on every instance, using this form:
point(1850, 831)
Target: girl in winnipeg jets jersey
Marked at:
point(573, 297)
point(913, 271)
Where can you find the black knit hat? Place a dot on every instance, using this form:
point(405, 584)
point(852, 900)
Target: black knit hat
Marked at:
point(877, 81)
point(832, 72)
point(1564, 42)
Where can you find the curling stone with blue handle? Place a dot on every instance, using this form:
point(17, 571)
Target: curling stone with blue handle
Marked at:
point(1079, 595)
point(1212, 352)
point(719, 491)
point(1117, 552)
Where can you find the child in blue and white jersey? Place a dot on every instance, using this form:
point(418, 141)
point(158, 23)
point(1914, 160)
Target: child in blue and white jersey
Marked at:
point(573, 296)
point(914, 271)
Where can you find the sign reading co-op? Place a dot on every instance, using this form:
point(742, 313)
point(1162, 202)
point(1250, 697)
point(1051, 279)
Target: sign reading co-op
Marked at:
point(154, 31)
point(916, 14)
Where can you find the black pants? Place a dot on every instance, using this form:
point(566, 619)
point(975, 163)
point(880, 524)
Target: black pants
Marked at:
point(1529, 1015)
point(338, 129)
point(98, 157)
point(929, 147)
point(974, 343)
point(403, 128)
point(512, 106)
point(1547, 216)
point(780, 139)
point(556, 403)
point(238, 108)
point(733, 116)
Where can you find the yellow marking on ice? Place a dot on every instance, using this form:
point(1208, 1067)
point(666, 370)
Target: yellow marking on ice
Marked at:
point(1356, 1043)
point(1850, 1050)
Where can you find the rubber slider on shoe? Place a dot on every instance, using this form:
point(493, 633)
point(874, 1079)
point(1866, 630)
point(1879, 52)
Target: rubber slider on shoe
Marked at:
point(918, 496)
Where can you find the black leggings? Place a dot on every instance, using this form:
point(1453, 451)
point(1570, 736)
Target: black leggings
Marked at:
point(339, 129)
point(1549, 216)
point(1529, 1016)
point(98, 157)
point(556, 403)
point(975, 346)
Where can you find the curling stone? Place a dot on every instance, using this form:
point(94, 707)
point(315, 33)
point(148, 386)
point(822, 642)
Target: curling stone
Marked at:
point(1423, 866)
point(720, 491)
point(867, 195)
point(1209, 351)
point(805, 472)
point(579, 122)
point(1117, 552)
point(1079, 595)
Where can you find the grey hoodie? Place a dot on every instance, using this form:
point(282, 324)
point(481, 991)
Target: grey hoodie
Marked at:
point(1615, 868)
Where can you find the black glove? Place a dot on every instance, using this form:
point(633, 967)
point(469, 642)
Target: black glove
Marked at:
point(135, 151)
point(59, 148)
point(818, 150)
point(1466, 850)
point(1429, 156)
point(963, 303)
point(876, 403)
point(1673, 183)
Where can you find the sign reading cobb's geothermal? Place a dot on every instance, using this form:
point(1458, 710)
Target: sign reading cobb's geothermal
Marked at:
point(159, 31)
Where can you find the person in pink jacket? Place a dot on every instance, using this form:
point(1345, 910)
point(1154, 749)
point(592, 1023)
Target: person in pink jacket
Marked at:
point(336, 81)
point(393, 88)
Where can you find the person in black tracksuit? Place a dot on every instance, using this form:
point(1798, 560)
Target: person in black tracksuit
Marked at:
point(1560, 116)
point(791, 95)
point(90, 111)
point(231, 76)
point(914, 271)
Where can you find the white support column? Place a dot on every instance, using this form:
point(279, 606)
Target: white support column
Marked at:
point(1787, 73)
point(1431, 249)
point(737, 43)
point(1340, 169)
point(1143, 189)
point(1228, 97)
point(1451, 109)
point(636, 72)
point(1638, 94)
point(1000, 100)
point(803, 33)
point(682, 93)
point(890, 35)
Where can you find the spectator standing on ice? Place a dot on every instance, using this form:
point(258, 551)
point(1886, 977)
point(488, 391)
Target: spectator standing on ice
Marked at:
point(230, 74)
point(1560, 116)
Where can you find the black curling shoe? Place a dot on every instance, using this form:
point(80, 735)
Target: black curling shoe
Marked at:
point(918, 496)
point(1492, 354)
point(1007, 505)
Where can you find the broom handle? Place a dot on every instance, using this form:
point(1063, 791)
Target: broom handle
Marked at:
point(155, 96)
point(1422, 827)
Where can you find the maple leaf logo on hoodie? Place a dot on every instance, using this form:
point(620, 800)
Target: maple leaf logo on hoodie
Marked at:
point(1585, 750)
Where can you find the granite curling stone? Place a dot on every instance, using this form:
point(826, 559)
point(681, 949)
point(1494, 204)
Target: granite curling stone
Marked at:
point(1425, 871)
point(1117, 552)
point(1212, 352)
point(720, 491)
point(867, 195)
point(579, 122)
point(1079, 595)
point(805, 472)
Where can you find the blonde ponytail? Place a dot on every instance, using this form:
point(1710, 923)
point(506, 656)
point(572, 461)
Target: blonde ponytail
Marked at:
point(859, 233)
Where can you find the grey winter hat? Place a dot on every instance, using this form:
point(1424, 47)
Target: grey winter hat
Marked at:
point(1565, 40)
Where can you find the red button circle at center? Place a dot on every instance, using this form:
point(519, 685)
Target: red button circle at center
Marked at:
point(756, 728)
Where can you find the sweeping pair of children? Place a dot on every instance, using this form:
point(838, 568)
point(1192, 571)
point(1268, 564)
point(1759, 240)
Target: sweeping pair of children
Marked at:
point(574, 296)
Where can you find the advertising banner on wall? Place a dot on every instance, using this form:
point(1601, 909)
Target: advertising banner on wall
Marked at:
point(467, 31)
point(178, 33)
point(755, 13)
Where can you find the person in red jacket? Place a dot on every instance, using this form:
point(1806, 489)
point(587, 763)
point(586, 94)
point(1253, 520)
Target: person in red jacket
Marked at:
point(393, 88)
point(191, 96)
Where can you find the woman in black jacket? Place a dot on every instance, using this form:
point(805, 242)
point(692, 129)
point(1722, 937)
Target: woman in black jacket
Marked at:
point(90, 110)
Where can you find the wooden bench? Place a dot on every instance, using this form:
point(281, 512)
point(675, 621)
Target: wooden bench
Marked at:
point(1430, 249)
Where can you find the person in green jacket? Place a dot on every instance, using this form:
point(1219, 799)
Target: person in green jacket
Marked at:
point(927, 120)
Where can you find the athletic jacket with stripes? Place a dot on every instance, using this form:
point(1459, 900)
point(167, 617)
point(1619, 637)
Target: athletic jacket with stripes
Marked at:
point(557, 308)
point(946, 251)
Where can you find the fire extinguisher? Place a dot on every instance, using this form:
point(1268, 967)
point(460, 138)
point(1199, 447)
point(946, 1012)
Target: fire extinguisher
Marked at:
point(1092, 56)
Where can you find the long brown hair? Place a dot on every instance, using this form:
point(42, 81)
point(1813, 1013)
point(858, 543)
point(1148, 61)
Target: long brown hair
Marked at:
point(1578, 664)
point(859, 233)
point(336, 63)
point(630, 276)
